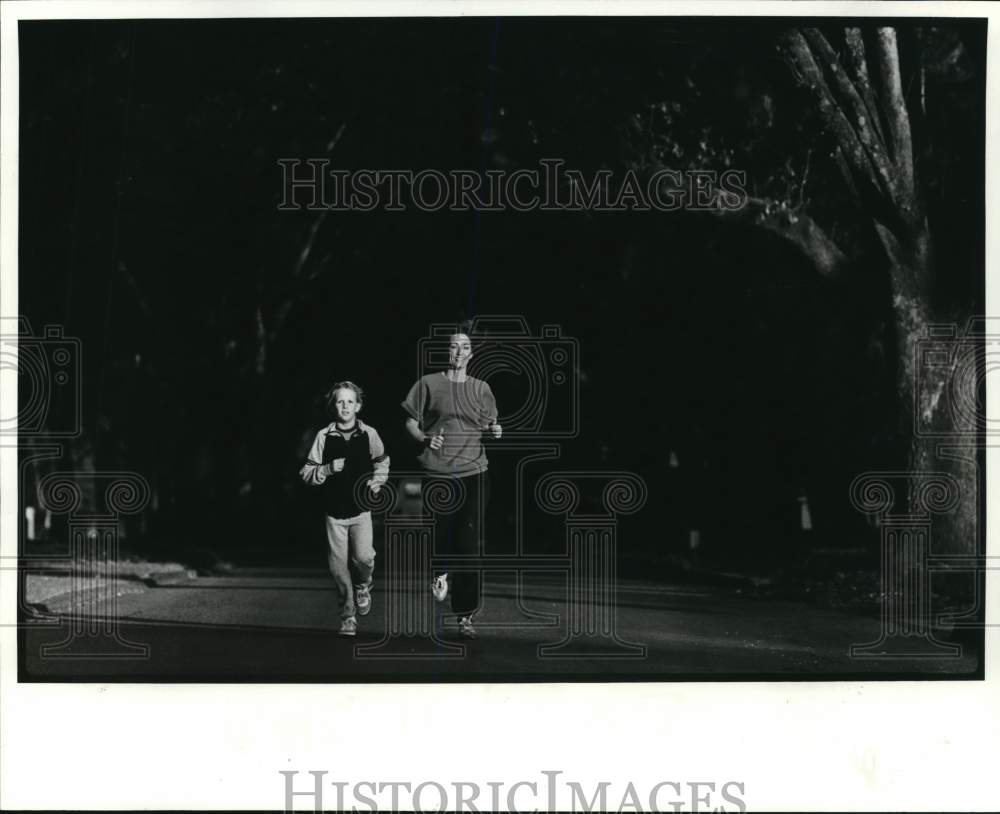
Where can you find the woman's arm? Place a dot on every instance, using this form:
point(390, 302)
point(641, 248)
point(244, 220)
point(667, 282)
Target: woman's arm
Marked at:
point(413, 428)
point(418, 435)
point(490, 410)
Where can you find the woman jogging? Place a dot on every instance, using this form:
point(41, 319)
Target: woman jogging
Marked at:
point(448, 412)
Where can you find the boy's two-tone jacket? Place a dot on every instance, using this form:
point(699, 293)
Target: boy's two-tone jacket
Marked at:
point(364, 460)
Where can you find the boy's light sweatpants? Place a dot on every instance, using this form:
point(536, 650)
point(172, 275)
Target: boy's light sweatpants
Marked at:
point(351, 557)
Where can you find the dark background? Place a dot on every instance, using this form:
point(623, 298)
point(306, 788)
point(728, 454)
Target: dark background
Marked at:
point(149, 229)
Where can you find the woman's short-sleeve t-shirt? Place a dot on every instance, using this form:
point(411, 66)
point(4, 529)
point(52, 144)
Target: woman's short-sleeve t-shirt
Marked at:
point(459, 410)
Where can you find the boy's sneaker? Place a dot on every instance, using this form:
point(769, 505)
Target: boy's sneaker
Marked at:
point(465, 628)
point(363, 599)
point(348, 627)
point(439, 588)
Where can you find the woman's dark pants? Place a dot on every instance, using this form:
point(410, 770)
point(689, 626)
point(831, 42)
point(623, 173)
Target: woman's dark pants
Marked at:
point(460, 534)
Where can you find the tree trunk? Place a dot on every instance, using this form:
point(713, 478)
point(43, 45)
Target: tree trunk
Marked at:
point(936, 379)
point(936, 373)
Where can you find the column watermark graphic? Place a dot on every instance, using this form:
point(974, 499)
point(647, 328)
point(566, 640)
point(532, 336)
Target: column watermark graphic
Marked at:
point(413, 621)
point(93, 624)
point(592, 542)
point(411, 631)
point(930, 517)
point(907, 629)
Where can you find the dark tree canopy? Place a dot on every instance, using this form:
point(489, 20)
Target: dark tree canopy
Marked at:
point(212, 322)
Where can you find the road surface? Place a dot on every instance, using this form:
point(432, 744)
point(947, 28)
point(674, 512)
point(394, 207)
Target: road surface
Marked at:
point(278, 624)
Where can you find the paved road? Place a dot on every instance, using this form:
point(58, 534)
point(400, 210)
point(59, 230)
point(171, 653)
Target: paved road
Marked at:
point(273, 624)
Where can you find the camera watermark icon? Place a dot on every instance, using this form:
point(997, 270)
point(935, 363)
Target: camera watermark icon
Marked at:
point(951, 367)
point(46, 368)
point(541, 371)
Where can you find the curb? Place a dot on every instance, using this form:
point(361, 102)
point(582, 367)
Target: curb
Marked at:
point(88, 598)
point(171, 578)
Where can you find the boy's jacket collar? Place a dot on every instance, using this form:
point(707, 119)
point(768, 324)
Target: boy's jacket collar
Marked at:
point(359, 425)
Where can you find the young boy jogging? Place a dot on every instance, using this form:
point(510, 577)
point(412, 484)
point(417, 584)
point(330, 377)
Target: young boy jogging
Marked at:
point(344, 453)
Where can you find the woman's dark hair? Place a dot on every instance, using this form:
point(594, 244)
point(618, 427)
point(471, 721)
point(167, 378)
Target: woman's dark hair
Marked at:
point(464, 327)
point(331, 394)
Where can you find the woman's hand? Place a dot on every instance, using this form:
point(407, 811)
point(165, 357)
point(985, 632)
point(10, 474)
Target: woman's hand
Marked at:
point(497, 429)
point(435, 442)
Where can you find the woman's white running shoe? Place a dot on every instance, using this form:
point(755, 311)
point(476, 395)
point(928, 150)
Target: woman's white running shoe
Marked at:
point(439, 587)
